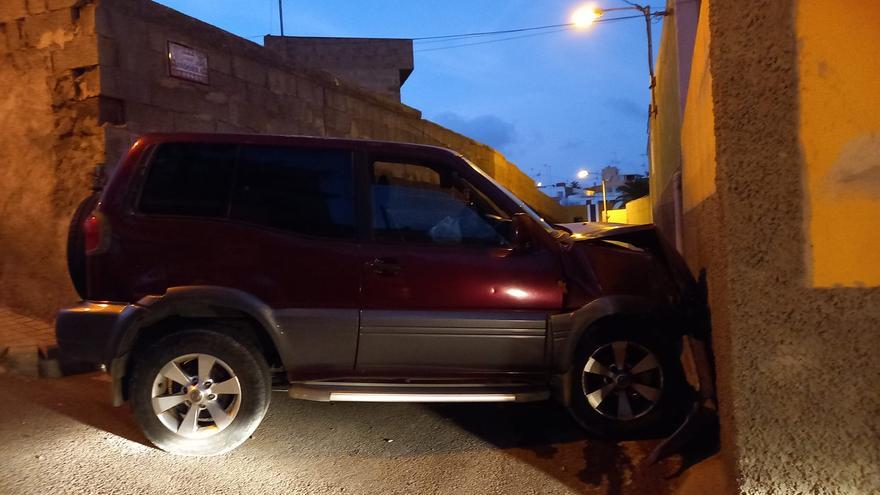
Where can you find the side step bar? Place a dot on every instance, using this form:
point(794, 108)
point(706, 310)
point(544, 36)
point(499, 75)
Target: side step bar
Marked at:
point(393, 392)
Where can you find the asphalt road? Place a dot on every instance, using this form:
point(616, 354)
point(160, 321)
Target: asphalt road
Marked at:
point(63, 436)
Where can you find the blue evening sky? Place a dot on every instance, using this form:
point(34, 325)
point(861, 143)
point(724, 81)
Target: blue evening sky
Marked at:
point(553, 103)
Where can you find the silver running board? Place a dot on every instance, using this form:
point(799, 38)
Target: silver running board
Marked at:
point(382, 392)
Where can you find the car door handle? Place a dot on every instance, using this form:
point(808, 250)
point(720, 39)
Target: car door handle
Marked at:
point(384, 266)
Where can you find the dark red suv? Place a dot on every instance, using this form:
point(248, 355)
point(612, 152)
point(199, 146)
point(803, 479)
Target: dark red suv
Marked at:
point(214, 267)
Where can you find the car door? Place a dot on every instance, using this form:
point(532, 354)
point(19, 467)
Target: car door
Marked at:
point(274, 221)
point(443, 292)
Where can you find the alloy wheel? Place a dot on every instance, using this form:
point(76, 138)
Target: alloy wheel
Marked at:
point(196, 395)
point(622, 380)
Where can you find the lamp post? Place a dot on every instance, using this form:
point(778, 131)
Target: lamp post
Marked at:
point(604, 202)
point(584, 16)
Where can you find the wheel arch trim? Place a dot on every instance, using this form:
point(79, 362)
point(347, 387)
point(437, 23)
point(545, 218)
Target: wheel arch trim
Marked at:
point(567, 329)
point(192, 302)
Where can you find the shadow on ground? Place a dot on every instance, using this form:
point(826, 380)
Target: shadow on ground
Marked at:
point(545, 436)
point(84, 398)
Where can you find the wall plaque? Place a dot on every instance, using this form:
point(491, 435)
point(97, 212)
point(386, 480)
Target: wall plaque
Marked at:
point(187, 63)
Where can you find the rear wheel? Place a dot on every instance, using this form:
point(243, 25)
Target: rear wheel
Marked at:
point(627, 384)
point(199, 392)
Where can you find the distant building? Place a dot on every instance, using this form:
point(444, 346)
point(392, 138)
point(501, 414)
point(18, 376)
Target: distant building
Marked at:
point(591, 197)
point(378, 64)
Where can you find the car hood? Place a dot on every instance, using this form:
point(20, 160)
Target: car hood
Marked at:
point(598, 230)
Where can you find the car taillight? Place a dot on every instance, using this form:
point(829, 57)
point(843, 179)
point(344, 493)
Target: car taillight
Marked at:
point(92, 232)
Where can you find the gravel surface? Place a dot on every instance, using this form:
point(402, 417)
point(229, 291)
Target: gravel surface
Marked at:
point(63, 436)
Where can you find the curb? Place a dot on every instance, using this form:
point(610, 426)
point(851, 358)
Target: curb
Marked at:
point(33, 361)
point(21, 360)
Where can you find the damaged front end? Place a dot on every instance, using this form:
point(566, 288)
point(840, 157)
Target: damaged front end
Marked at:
point(635, 263)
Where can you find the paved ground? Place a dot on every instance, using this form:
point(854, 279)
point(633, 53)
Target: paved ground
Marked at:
point(63, 436)
point(21, 331)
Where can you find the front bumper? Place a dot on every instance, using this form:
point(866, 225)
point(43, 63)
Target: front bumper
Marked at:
point(89, 332)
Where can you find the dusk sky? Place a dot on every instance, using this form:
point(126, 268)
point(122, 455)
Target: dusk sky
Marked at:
point(569, 99)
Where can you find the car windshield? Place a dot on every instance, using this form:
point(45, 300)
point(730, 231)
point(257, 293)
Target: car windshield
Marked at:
point(528, 210)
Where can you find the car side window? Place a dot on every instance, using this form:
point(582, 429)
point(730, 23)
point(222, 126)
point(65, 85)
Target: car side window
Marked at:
point(419, 203)
point(307, 191)
point(189, 179)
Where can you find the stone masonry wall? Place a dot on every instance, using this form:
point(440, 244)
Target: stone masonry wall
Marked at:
point(51, 139)
point(81, 79)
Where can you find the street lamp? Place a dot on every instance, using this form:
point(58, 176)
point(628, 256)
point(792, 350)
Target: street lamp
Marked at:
point(586, 15)
point(582, 174)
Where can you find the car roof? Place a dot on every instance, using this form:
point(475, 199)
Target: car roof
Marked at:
point(296, 140)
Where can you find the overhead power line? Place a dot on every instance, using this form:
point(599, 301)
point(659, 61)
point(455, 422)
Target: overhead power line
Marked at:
point(452, 38)
point(490, 41)
point(487, 33)
point(546, 30)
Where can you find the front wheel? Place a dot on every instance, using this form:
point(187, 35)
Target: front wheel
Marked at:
point(627, 384)
point(199, 392)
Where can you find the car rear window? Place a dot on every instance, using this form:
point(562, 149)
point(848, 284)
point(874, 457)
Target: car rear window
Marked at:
point(307, 191)
point(189, 179)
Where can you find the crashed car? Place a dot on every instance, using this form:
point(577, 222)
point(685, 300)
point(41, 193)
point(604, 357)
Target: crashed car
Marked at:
point(216, 268)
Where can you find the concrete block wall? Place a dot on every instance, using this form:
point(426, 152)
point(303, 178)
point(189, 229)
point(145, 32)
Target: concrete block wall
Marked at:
point(380, 65)
point(83, 78)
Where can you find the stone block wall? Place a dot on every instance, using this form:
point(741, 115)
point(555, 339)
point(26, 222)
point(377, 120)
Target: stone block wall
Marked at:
point(83, 78)
point(52, 124)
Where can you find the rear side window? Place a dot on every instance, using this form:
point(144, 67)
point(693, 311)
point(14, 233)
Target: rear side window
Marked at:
point(189, 179)
point(307, 191)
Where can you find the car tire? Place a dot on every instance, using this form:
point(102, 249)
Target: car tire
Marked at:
point(224, 400)
point(627, 383)
point(76, 244)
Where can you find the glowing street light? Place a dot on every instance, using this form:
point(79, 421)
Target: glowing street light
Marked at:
point(584, 16)
point(582, 174)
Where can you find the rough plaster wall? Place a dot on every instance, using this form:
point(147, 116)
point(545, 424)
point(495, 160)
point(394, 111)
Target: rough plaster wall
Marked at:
point(798, 367)
point(50, 143)
point(704, 243)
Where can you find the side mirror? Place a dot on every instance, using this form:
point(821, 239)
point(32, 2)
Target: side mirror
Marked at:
point(522, 232)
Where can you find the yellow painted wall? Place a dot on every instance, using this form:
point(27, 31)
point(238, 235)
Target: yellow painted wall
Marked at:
point(617, 216)
point(839, 79)
point(638, 211)
point(666, 125)
point(698, 123)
